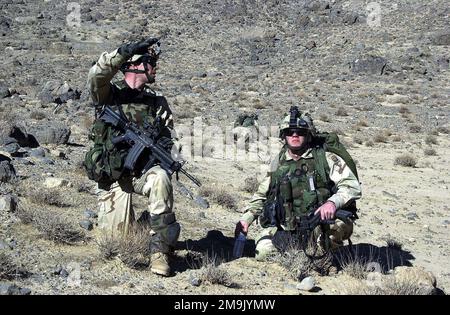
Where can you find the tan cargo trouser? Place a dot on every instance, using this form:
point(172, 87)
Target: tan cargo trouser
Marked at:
point(337, 233)
point(116, 213)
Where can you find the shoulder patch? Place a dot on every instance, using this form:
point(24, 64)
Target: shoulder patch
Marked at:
point(337, 163)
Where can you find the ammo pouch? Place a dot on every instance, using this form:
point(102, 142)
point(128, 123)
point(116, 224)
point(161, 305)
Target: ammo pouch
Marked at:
point(104, 161)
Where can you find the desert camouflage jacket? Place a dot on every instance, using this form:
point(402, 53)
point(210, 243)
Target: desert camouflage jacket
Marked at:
point(137, 105)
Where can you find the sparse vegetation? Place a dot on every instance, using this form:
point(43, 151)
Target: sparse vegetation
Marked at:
point(134, 249)
point(380, 138)
point(250, 185)
point(443, 130)
point(9, 270)
point(394, 244)
point(38, 115)
point(415, 128)
point(358, 139)
point(406, 160)
point(369, 143)
point(362, 123)
point(221, 197)
point(213, 273)
point(341, 112)
point(430, 139)
point(300, 264)
point(324, 118)
point(430, 152)
point(52, 225)
point(403, 110)
point(389, 286)
point(47, 197)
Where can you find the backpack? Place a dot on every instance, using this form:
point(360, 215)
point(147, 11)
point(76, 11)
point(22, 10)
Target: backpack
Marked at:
point(329, 142)
point(104, 161)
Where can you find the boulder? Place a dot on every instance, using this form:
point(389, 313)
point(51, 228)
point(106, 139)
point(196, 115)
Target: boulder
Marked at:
point(51, 133)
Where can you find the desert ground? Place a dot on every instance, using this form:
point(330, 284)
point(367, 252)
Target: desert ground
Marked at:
point(376, 73)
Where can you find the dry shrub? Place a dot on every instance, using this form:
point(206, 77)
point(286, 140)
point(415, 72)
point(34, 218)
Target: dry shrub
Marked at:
point(415, 128)
point(250, 185)
point(301, 261)
point(108, 245)
point(341, 112)
point(358, 139)
point(369, 143)
point(213, 273)
point(324, 118)
point(430, 152)
point(47, 197)
point(362, 123)
point(9, 270)
point(430, 139)
point(443, 130)
point(222, 198)
point(389, 285)
point(406, 160)
point(403, 110)
point(38, 115)
point(53, 226)
point(394, 244)
point(133, 249)
point(380, 138)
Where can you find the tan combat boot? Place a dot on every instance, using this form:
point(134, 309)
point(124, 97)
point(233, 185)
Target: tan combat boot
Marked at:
point(160, 264)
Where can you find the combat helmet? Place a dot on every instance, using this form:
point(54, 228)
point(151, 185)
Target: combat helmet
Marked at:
point(148, 58)
point(296, 120)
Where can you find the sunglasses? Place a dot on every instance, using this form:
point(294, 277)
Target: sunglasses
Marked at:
point(300, 132)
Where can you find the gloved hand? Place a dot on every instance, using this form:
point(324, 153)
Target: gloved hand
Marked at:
point(241, 226)
point(139, 48)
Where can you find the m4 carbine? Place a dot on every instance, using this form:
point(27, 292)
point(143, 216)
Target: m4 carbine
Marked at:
point(310, 222)
point(139, 140)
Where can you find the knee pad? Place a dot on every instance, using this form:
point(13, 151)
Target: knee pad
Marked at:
point(264, 248)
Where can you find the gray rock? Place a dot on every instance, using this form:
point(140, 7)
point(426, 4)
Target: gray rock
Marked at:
point(12, 289)
point(443, 63)
point(51, 133)
point(12, 148)
point(441, 38)
point(55, 182)
point(4, 91)
point(17, 132)
point(201, 215)
point(38, 152)
point(8, 288)
point(369, 64)
point(48, 161)
point(7, 171)
point(194, 281)
point(86, 224)
point(57, 270)
point(90, 214)
point(5, 246)
point(307, 284)
point(64, 273)
point(24, 291)
point(201, 202)
point(8, 203)
point(412, 216)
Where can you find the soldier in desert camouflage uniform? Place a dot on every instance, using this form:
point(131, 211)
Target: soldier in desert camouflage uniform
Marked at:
point(140, 104)
point(299, 163)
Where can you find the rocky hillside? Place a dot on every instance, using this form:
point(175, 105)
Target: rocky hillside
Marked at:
point(377, 73)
